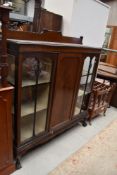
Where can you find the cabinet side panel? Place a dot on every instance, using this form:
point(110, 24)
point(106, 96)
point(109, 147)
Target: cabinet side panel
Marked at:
point(6, 154)
point(3, 133)
point(68, 68)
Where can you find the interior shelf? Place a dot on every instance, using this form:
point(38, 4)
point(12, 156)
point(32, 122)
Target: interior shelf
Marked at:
point(29, 82)
point(28, 108)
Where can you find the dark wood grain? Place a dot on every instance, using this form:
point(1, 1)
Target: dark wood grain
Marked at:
point(4, 18)
point(68, 68)
point(6, 139)
point(44, 19)
point(45, 36)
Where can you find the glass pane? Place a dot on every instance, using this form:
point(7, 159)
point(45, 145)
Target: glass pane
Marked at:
point(79, 102)
point(26, 127)
point(11, 75)
point(27, 100)
point(33, 68)
point(27, 112)
point(45, 67)
point(42, 97)
point(41, 107)
point(86, 66)
point(93, 61)
point(83, 81)
point(30, 66)
point(19, 7)
point(40, 121)
point(89, 84)
point(85, 84)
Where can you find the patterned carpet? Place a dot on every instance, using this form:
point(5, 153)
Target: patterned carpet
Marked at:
point(97, 157)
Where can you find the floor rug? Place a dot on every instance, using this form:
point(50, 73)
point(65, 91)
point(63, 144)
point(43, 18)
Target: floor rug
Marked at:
point(97, 157)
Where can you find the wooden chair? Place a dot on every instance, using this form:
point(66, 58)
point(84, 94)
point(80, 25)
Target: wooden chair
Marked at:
point(100, 99)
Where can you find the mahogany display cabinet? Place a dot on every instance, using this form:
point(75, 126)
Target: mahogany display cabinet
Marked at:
point(53, 82)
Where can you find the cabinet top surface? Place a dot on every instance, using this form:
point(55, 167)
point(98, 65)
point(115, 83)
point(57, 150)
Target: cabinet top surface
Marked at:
point(53, 44)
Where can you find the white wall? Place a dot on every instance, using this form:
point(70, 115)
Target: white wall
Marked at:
point(87, 18)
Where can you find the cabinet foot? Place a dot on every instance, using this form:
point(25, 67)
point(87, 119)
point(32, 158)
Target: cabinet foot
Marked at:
point(18, 164)
point(84, 123)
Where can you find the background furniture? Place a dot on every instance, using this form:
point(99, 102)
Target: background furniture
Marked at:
point(100, 99)
point(6, 141)
point(46, 21)
point(112, 44)
point(109, 72)
point(51, 80)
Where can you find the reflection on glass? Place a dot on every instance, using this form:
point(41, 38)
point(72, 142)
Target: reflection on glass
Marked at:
point(11, 75)
point(85, 84)
point(89, 84)
point(93, 61)
point(29, 70)
point(27, 112)
point(79, 102)
point(45, 67)
point(33, 68)
point(86, 66)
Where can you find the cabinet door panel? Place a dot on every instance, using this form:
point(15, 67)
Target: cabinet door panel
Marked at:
point(4, 138)
point(68, 72)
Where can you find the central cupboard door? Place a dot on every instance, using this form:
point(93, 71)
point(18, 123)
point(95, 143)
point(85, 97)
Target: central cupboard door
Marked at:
point(68, 73)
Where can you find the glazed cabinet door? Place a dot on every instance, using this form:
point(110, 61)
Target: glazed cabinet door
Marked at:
point(35, 93)
point(68, 73)
point(33, 81)
point(86, 83)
